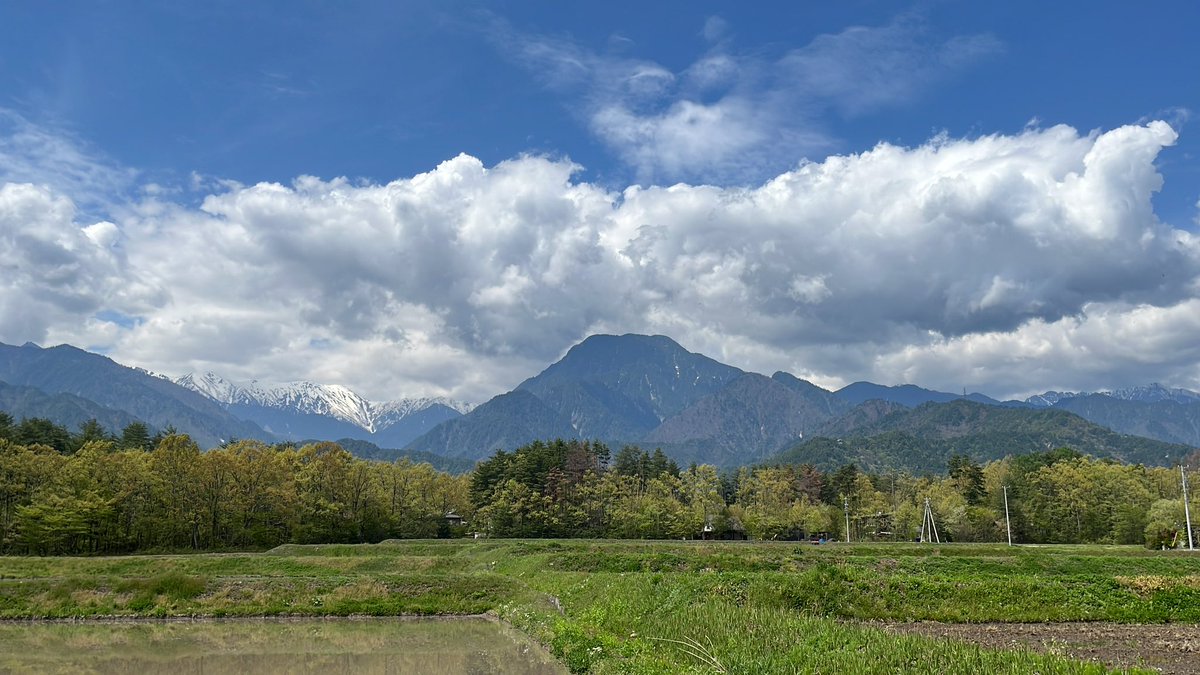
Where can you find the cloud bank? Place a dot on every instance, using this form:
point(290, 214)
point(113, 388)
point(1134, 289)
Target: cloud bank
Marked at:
point(1008, 263)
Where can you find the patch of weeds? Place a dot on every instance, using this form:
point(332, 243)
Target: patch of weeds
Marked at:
point(178, 586)
point(174, 586)
point(63, 590)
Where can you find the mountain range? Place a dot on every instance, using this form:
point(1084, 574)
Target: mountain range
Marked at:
point(156, 401)
point(70, 386)
point(1153, 411)
point(883, 436)
point(305, 410)
point(636, 389)
point(650, 391)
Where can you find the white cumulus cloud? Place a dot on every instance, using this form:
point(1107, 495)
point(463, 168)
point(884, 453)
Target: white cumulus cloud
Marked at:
point(1007, 261)
point(52, 271)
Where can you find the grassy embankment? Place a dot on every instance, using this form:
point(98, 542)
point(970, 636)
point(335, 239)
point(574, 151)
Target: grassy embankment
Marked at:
point(651, 607)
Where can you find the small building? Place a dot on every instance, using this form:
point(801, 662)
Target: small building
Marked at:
point(730, 529)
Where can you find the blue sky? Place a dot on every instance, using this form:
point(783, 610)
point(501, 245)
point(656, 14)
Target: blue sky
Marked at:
point(154, 121)
point(262, 91)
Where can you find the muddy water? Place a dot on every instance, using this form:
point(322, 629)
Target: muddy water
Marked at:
point(470, 645)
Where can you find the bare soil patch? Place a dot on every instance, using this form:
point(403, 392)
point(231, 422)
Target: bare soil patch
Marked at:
point(1166, 648)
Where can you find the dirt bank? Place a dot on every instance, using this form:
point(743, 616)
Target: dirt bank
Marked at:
point(1167, 648)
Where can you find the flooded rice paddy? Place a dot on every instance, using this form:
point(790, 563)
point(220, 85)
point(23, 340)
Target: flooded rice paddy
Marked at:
point(453, 645)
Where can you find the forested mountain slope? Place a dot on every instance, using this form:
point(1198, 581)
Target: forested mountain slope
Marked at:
point(923, 438)
point(157, 401)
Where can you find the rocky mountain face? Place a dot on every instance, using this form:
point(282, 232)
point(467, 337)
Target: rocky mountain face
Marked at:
point(621, 387)
point(614, 388)
point(752, 415)
point(306, 410)
point(608, 387)
point(823, 402)
point(646, 390)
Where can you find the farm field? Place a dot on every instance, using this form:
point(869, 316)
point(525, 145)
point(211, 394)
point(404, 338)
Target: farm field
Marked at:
point(666, 607)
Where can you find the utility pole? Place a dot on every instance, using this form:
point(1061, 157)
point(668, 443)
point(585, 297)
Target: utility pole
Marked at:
point(1007, 522)
point(846, 507)
point(928, 527)
point(1187, 512)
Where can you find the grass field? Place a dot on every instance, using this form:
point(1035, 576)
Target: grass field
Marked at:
point(653, 607)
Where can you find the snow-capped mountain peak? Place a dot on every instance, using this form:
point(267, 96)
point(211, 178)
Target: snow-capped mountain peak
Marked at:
point(211, 385)
point(408, 406)
point(329, 400)
point(1150, 393)
point(1050, 398)
point(310, 398)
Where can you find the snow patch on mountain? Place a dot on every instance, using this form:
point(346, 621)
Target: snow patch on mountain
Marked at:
point(1050, 398)
point(211, 385)
point(327, 400)
point(1150, 393)
point(407, 406)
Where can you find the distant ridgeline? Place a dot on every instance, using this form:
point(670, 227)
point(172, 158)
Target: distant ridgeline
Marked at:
point(629, 389)
point(98, 494)
point(39, 431)
point(649, 391)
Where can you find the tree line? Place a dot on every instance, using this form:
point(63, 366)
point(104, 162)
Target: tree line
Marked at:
point(119, 494)
point(565, 489)
point(41, 431)
point(95, 492)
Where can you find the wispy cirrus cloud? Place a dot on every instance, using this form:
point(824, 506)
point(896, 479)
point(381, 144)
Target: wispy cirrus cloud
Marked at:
point(864, 68)
point(52, 157)
point(734, 115)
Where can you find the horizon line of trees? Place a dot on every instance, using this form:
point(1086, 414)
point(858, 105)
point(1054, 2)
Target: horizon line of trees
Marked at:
point(563, 489)
point(43, 431)
point(95, 492)
point(129, 493)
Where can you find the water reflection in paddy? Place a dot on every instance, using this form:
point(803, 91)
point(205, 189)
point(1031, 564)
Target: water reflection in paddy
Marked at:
point(468, 645)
